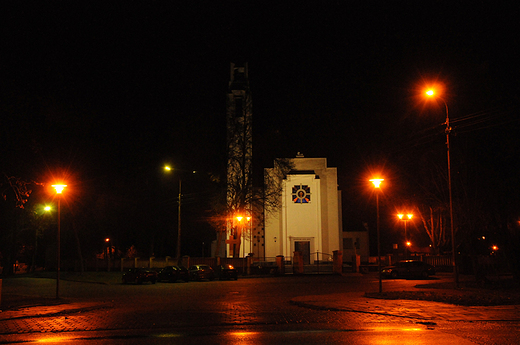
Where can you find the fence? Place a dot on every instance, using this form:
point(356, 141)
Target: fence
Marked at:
point(437, 260)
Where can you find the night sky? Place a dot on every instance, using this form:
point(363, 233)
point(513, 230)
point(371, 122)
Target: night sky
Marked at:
point(107, 92)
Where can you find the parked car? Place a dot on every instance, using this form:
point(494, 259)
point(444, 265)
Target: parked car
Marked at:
point(227, 272)
point(173, 273)
point(199, 272)
point(139, 276)
point(409, 268)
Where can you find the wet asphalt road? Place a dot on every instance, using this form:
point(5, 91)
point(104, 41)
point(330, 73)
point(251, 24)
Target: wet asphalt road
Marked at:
point(247, 311)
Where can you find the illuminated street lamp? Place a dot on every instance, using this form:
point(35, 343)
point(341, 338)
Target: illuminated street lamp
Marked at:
point(59, 190)
point(107, 241)
point(240, 229)
point(240, 234)
point(178, 253)
point(44, 209)
point(405, 220)
point(377, 183)
point(431, 93)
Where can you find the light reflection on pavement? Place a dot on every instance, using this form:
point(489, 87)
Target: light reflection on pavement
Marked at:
point(246, 312)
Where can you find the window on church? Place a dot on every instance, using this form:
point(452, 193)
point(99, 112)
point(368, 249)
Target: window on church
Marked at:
point(301, 194)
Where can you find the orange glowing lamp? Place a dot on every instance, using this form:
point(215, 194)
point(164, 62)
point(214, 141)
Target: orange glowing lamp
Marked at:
point(377, 182)
point(401, 216)
point(59, 188)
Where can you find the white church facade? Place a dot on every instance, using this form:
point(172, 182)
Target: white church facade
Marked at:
point(309, 218)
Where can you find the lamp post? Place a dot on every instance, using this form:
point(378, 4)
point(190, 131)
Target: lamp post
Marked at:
point(240, 233)
point(240, 229)
point(108, 250)
point(45, 209)
point(178, 252)
point(59, 189)
point(406, 243)
point(431, 93)
point(377, 183)
point(179, 223)
point(250, 234)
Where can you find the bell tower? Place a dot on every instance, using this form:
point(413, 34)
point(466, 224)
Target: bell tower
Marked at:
point(240, 153)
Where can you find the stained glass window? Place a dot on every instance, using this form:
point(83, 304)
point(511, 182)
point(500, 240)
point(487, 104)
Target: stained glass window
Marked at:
point(301, 194)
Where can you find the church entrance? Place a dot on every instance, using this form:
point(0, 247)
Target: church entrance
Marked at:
point(304, 247)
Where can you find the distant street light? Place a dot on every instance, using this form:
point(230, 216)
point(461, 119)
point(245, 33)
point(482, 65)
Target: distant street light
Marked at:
point(377, 183)
point(405, 220)
point(178, 252)
point(44, 209)
point(431, 93)
point(59, 189)
point(107, 253)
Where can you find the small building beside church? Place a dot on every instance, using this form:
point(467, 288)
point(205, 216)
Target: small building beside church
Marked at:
point(309, 218)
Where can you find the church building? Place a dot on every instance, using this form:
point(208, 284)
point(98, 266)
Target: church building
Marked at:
point(309, 218)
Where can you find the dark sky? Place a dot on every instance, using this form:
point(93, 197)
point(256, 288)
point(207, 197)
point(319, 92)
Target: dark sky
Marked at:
point(110, 90)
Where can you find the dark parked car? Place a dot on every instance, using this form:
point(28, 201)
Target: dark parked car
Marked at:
point(409, 268)
point(199, 272)
point(173, 273)
point(139, 276)
point(227, 272)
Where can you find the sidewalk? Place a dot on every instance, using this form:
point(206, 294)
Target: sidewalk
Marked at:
point(61, 308)
point(422, 310)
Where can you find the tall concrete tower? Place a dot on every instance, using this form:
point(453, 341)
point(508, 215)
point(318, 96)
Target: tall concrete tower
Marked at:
point(240, 153)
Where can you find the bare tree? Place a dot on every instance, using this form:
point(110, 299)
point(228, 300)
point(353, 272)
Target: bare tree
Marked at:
point(260, 199)
point(435, 227)
point(15, 189)
point(273, 185)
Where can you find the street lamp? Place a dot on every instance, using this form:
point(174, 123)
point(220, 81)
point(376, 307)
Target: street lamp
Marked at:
point(178, 253)
point(377, 183)
point(431, 93)
point(240, 234)
point(250, 234)
point(44, 209)
point(107, 241)
point(240, 230)
point(405, 220)
point(59, 190)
